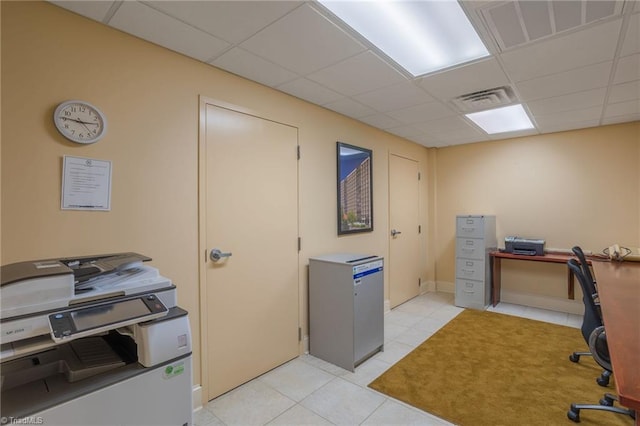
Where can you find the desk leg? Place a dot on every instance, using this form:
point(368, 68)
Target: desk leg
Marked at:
point(570, 292)
point(496, 280)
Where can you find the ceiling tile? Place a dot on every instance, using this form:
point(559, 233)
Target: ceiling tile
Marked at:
point(624, 92)
point(248, 65)
point(592, 45)
point(631, 42)
point(358, 74)
point(563, 127)
point(310, 91)
point(588, 98)
point(350, 108)
point(573, 116)
point(461, 134)
point(96, 10)
point(156, 27)
point(420, 113)
point(303, 41)
point(443, 125)
point(621, 119)
point(406, 131)
point(381, 121)
point(622, 108)
point(628, 69)
point(398, 96)
point(470, 78)
point(232, 21)
point(577, 80)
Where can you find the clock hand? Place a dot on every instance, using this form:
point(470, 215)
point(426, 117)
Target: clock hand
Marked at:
point(78, 121)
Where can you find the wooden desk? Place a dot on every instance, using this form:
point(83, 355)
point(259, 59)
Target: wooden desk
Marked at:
point(496, 262)
point(619, 293)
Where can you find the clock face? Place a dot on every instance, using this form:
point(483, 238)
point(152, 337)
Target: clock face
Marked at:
point(80, 121)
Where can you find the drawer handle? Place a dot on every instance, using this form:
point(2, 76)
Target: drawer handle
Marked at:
point(468, 229)
point(468, 291)
point(467, 249)
point(467, 271)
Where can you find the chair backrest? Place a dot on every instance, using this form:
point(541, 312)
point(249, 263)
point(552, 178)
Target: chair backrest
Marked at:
point(577, 250)
point(591, 319)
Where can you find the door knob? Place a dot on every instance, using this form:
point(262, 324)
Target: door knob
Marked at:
point(394, 232)
point(217, 254)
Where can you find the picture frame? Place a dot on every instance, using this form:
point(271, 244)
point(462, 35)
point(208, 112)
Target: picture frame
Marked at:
point(354, 189)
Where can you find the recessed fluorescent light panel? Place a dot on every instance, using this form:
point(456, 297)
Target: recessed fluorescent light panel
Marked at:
point(421, 36)
point(500, 120)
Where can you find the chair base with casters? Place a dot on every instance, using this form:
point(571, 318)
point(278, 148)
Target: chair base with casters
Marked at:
point(603, 380)
point(574, 412)
point(597, 344)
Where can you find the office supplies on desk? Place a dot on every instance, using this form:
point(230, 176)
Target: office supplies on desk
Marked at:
point(619, 253)
point(524, 246)
point(83, 338)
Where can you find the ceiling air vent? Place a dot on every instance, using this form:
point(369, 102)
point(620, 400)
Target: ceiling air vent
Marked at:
point(485, 99)
point(515, 23)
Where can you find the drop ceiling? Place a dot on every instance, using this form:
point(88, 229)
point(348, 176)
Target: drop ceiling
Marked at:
point(572, 64)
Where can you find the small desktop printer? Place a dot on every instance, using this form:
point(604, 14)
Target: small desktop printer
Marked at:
point(526, 246)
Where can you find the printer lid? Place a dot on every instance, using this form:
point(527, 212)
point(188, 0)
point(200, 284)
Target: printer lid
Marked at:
point(83, 268)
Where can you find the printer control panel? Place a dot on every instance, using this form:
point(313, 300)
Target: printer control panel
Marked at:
point(89, 320)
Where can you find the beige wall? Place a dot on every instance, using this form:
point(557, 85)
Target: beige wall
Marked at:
point(151, 97)
point(571, 188)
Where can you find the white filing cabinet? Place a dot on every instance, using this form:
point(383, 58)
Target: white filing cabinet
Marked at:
point(346, 308)
point(475, 238)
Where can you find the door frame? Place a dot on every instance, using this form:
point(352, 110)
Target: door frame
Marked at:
point(203, 101)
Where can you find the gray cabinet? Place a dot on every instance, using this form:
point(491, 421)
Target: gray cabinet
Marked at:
point(346, 308)
point(475, 238)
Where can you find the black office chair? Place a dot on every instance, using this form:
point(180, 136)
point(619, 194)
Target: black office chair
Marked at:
point(577, 250)
point(594, 333)
point(590, 321)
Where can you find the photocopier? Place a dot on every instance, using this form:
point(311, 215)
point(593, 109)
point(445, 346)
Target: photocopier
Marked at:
point(93, 340)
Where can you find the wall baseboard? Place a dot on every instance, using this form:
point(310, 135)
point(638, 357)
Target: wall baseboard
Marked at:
point(427, 286)
point(568, 306)
point(446, 287)
point(197, 398)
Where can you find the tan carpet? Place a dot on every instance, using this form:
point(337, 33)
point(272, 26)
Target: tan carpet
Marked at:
point(491, 369)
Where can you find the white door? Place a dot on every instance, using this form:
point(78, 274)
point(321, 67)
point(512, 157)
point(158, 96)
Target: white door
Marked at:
point(251, 182)
point(404, 233)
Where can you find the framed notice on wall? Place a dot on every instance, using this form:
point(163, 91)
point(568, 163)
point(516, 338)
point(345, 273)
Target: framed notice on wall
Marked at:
point(86, 184)
point(355, 189)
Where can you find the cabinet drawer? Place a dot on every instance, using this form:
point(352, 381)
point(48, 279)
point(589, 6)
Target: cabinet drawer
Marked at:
point(470, 248)
point(470, 294)
point(470, 269)
point(471, 227)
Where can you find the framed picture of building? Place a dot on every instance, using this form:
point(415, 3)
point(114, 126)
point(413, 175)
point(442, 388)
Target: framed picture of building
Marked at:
point(355, 189)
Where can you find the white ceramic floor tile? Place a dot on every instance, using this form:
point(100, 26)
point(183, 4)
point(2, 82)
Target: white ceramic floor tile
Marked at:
point(366, 372)
point(508, 308)
point(574, 320)
point(253, 403)
point(391, 331)
point(446, 312)
point(430, 324)
point(322, 364)
point(395, 413)
point(401, 318)
point(296, 379)
point(299, 416)
point(204, 417)
point(414, 336)
point(343, 403)
point(393, 352)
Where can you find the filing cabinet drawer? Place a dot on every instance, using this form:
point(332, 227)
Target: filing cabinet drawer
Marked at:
point(470, 248)
point(471, 227)
point(470, 269)
point(470, 294)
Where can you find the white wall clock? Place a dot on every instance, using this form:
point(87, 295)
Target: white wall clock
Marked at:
point(80, 121)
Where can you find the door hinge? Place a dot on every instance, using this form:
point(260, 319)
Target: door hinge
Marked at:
point(419, 229)
point(298, 151)
point(299, 243)
point(419, 177)
point(299, 334)
point(418, 282)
